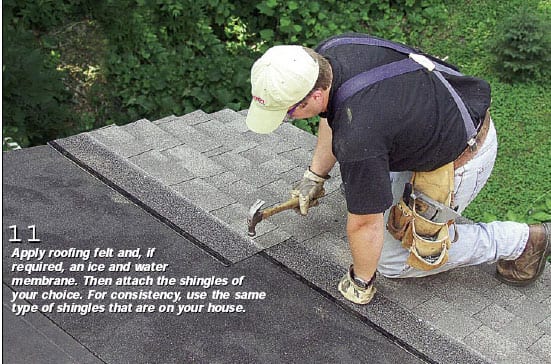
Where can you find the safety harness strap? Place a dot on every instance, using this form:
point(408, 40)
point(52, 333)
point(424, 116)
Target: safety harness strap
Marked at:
point(413, 63)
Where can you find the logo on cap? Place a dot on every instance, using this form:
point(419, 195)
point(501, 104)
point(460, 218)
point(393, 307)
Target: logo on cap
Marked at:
point(259, 100)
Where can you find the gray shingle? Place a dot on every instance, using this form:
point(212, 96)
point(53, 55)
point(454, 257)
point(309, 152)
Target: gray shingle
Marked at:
point(239, 125)
point(459, 295)
point(542, 348)
point(236, 167)
point(163, 200)
point(524, 307)
point(495, 317)
point(271, 141)
point(259, 154)
point(166, 119)
point(444, 316)
point(279, 165)
point(293, 176)
point(245, 169)
point(119, 141)
point(161, 167)
point(301, 156)
point(540, 290)
point(292, 135)
point(203, 195)
point(194, 161)
point(409, 293)
point(545, 325)
point(217, 151)
point(194, 118)
point(318, 220)
point(499, 349)
point(519, 332)
point(275, 236)
point(330, 246)
point(190, 135)
point(221, 180)
point(240, 190)
point(226, 115)
point(149, 134)
point(221, 133)
point(233, 162)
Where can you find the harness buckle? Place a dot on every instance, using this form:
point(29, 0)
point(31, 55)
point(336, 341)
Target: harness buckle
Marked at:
point(423, 61)
point(472, 144)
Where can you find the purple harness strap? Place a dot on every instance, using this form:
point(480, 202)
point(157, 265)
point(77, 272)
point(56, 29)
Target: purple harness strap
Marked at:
point(368, 78)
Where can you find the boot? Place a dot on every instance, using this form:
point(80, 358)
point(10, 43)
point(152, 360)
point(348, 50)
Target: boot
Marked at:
point(355, 289)
point(530, 264)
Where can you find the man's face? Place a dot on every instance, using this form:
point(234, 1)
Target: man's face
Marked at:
point(309, 107)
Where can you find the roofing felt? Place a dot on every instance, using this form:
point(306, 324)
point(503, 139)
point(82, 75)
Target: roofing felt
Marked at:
point(72, 209)
point(199, 174)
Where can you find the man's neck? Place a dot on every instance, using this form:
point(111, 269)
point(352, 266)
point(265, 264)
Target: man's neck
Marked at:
point(326, 94)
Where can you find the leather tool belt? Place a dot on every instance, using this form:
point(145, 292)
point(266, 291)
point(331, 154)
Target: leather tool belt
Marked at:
point(425, 234)
point(428, 241)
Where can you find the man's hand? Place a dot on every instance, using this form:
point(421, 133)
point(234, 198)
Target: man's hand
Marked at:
point(307, 189)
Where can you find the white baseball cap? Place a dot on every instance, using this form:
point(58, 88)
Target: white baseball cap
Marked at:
point(283, 76)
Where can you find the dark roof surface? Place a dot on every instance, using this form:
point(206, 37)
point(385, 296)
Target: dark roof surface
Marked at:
point(196, 177)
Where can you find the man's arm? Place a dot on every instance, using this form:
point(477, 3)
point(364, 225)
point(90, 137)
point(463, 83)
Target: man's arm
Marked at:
point(365, 237)
point(323, 159)
point(322, 162)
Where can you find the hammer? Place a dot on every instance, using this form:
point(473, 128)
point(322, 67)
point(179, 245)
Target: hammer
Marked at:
point(256, 215)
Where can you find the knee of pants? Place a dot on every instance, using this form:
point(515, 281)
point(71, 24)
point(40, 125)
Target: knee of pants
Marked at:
point(393, 265)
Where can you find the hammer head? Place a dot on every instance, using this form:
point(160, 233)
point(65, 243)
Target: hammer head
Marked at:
point(254, 216)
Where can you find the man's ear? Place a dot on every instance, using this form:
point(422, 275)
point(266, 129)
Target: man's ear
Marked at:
point(317, 94)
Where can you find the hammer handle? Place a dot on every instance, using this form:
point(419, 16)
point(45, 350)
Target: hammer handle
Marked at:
point(290, 204)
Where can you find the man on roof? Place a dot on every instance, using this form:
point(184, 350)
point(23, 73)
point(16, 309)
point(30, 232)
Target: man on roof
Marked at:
point(415, 144)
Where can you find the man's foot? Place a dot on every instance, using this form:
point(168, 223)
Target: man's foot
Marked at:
point(356, 290)
point(529, 266)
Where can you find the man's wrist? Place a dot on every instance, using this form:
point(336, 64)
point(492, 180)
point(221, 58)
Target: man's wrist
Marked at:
point(319, 175)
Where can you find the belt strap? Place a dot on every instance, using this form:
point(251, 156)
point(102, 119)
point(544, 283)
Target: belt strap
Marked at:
point(413, 63)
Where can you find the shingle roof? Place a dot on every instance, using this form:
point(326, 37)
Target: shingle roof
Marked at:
point(199, 173)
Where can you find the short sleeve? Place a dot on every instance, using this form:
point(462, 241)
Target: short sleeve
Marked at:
point(367, 185)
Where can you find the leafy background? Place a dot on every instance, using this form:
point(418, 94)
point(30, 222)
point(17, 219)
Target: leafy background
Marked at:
point(76, 65)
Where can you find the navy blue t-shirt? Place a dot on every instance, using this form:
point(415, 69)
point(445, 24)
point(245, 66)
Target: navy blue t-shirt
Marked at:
point(405, 123)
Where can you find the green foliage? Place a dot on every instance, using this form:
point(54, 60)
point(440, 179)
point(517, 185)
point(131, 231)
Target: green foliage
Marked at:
point(173, 57)
point(176, 56)
point(34, 103)
point(539, 212)
point(41, 15)
point(9, 144)
point(522, 46)
point(523, 168)
point(308, 22)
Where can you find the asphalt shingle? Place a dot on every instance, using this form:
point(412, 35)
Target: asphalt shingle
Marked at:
point(226, 135)
point(119, 141)
point(220, 168)
point(190, 136)
point(195, 162)
point(204, 195)
point(151, 135)
point(162, 167)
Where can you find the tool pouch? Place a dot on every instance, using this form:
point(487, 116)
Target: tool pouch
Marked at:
point(427, 241)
